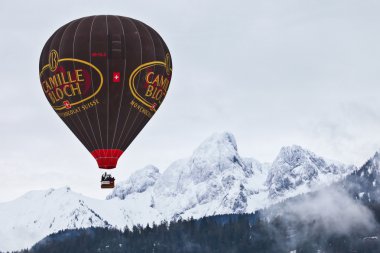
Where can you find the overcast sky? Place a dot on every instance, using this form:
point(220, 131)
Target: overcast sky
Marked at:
point(273, 73)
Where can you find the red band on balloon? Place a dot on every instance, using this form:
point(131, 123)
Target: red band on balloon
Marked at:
point(107, 158)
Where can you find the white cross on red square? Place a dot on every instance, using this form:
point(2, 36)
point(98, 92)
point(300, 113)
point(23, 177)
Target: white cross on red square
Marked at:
point(67, 104)
point(116, 77)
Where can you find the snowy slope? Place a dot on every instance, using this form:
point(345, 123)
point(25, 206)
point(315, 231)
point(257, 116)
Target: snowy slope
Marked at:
point(215, 179)
point(37, 214)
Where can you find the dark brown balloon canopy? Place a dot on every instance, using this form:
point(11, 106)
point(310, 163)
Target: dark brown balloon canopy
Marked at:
point(105, 76)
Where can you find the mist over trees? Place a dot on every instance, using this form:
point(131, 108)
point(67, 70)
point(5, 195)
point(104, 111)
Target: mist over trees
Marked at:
point(223, 233)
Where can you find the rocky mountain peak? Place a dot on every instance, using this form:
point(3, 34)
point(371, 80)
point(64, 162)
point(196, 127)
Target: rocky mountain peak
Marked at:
point(371, 168)
point(215, 155)
point(138, 182)
point(295, 166)
point(376, 159)
point(296, 155)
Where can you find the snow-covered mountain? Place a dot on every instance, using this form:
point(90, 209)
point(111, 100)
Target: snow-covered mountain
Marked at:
point(33, 216)
point(215, 179)
point(295, 170)
point(363, 184)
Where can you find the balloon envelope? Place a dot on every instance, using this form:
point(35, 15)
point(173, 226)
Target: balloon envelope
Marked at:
point(105, 77)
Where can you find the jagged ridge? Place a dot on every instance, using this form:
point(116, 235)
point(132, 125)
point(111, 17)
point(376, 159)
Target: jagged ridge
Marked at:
point(215, 179)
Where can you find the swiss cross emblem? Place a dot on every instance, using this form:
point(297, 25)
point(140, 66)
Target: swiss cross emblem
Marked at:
point(116, 77)
point(153, 107)
point(67, 104)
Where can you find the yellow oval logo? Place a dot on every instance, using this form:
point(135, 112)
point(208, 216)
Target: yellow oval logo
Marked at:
point(70, 81)
point(152, 84)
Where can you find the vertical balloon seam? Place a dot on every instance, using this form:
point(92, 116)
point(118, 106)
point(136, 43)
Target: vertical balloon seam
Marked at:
point(165, 52)
point(69, 120)
point(85, 111)
point(73, 62)
point(131, 135)
point(122, 91)
point(130, 107)
point(47, 48)
point(77, 116)
point(137, 115)
point(142, 124)
point(96, 108)
point(142, 121)
point(152, 33)
point(71, 123)
point(108, 84)
point(44, 49)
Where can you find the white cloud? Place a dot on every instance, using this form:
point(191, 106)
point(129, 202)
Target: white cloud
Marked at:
point(333, 210)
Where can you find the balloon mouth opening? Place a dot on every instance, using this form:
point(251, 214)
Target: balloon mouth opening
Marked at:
point(107, 158)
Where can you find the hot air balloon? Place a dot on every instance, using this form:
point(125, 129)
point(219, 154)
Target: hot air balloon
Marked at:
point(105, 76)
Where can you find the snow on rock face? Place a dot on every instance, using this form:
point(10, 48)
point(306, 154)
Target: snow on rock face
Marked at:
point(373, 165)
point(212, 180)
point(252, 167)
point(364, 181)
point(40, 213)
point(139, 181)
point(295, 167)
point(215, 179)
point(213, 156)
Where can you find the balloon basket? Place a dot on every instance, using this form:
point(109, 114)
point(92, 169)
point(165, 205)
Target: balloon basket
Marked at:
point(107, 184)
